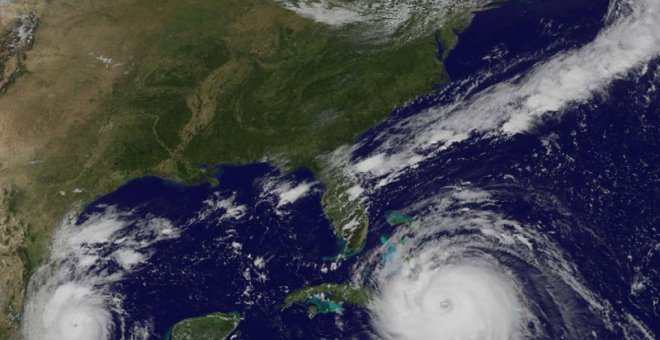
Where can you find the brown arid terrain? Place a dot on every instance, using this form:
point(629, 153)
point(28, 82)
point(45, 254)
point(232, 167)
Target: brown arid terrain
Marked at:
point(63, 80)
point(18, 20)
point(35, 114)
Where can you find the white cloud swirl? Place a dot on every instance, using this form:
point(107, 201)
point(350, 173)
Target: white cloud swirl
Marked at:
point(459, 301)
point(68, 297)
point(76, 312)
point(463, 271)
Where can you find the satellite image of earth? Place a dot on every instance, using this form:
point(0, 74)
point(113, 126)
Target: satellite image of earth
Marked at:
point(329, 169)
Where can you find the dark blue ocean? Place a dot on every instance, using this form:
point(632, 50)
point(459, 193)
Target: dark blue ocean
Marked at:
point(601, 167)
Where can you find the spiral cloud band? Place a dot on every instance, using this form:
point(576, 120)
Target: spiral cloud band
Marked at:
point(460, 301)
point(463, 271)
point(68, 297)
point(75, 312)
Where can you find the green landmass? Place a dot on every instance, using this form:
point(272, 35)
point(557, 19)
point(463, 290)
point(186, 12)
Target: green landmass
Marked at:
point(117, 90)
point(215, 326)
point(348, 216)
point(328, 297)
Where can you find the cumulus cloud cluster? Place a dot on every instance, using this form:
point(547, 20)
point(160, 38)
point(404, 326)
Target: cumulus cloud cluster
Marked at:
point(70, 296)
point(390, 19)
point(283, 193)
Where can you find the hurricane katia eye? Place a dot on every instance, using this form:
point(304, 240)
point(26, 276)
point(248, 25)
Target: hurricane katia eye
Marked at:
point(70, 296)
point(76, 313)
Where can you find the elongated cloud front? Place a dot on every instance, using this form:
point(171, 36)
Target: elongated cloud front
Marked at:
point(575, 76)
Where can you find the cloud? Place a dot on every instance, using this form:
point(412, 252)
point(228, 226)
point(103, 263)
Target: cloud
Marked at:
point(68, 296)
point(630, 41)
point(289, 194)
point(463, 270)
point(382, 19)
point(325, 13)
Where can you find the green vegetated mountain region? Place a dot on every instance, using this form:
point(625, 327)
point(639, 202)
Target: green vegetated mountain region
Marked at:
point(215, 326)
point(101, 92)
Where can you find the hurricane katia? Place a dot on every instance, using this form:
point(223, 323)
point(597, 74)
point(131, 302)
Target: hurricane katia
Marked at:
point(76, 312)
point(69, 296)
